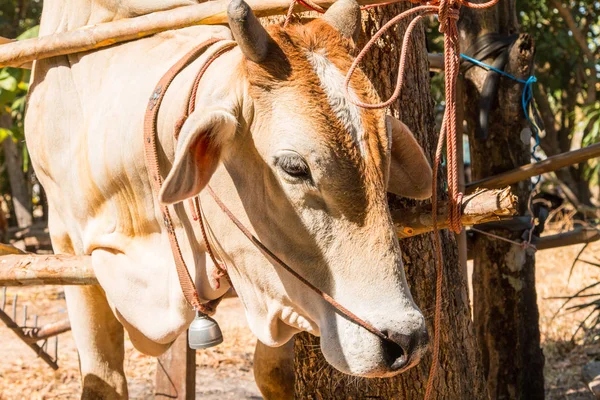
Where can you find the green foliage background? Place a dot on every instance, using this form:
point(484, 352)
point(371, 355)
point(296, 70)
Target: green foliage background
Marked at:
point(568, 88)
point(18, 19)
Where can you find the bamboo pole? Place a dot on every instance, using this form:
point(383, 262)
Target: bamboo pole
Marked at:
point(477, 208)
point(527, 171)
point(17, 53)
point(57, 269)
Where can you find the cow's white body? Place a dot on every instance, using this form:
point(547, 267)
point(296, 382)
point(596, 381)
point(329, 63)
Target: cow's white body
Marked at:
point(84, 132)
point(88, 132)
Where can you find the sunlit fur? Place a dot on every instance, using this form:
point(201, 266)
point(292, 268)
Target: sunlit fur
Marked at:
point(288, 66)
point(84, 131)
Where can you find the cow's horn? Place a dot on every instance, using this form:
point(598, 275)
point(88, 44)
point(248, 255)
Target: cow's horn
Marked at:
point(344, 15)
point(249, 34)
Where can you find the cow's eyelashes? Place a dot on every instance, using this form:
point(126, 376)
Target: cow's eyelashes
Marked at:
point(293, 166)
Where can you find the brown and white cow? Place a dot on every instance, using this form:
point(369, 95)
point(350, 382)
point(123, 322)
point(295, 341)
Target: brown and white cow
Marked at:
point(289, 155)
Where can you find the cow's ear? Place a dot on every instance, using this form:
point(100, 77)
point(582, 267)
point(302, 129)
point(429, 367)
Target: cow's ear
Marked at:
point(197, 155)
point(410, 173)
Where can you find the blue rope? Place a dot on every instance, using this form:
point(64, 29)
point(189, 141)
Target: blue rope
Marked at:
point(526, 97)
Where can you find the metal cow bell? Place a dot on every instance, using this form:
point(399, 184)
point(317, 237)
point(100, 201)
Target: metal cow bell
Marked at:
point(204, 332)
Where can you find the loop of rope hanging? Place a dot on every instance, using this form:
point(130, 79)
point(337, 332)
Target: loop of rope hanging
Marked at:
point(448, 14)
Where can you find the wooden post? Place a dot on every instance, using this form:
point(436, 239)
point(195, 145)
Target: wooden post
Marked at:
point(461, 238)
point(176, 372)
point(505, 311)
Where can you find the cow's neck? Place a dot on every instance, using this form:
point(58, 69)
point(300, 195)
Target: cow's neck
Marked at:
point(65, 15)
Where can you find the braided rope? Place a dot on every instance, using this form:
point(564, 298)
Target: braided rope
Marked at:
point(448, 14)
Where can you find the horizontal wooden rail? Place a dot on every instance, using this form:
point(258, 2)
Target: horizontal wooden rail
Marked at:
point(56, 269)
point(18, 53)
point(477, 208)
point(530, 170)
point(30, 269)
point(575, 236)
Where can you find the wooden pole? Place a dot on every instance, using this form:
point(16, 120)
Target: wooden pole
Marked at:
point(176, 372)
point(8, 249)
point(23, 269)
point(15, 54)
point(12, 325)
point(436, 61)
point(527, 171)
point(477, 208)
point(461, 238)
point(57, 269)
point(576, 236)
point(48, 331)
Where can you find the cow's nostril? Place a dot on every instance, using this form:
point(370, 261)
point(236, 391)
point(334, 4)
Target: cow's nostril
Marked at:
point(395, 355)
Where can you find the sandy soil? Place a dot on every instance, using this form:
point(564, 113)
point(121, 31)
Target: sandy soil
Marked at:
point(225, 372)
point(564, 358)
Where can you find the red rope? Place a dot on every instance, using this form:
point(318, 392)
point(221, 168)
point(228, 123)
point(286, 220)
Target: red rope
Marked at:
point(448, 13)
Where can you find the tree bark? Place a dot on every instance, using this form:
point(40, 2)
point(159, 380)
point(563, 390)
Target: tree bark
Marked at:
point(504, 296)
point(460, 373)
point(20, 196)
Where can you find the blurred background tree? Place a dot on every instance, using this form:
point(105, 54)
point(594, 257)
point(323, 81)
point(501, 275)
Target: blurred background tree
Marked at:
point(18, 19)
point(567, 65)
point(567, 36)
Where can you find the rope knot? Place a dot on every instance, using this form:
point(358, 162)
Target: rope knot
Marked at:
point(448, 10)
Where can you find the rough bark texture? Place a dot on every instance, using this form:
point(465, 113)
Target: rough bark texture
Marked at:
point(504, 297)
point(460, 374)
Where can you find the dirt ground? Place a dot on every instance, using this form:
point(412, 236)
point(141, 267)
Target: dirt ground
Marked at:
point(225, 372)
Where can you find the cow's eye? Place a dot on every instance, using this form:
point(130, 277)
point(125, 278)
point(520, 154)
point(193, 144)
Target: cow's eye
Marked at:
point(293, 165)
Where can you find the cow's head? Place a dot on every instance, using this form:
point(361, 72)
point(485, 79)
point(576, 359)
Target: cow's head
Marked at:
point(308, 171)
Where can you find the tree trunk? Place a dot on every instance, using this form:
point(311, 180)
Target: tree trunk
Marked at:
point(20, 196)
point(504, 296)
point(460, 373)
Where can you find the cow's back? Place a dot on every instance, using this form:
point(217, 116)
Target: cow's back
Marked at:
point(84, 129)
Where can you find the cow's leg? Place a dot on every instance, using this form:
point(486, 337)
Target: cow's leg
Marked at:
point(99, 339)
point(274, 370)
